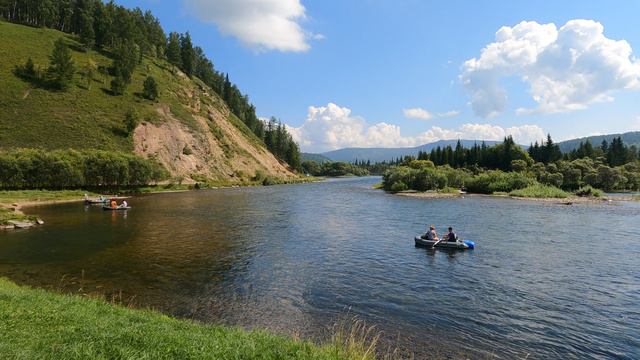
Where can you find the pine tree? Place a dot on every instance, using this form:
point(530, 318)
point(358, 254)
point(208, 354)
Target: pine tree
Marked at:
point(150, 90)
point(90, 70)
point(86, 32)
point(187, 54)
point(174, 55)
point(62, 67)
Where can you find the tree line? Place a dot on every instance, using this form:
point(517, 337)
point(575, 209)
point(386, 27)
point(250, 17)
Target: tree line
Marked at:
point(129, 35)
point(611, 167)
point(71, 169)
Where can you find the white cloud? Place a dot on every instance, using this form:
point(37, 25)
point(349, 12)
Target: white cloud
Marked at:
point(333, 127)
point(417, 113)
point(566, 69)
point(260, 24)
point(447, 114)
point(422, 114)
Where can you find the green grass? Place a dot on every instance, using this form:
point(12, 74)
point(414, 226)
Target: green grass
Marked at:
point(540, 191)
point(36, 324)
point(7, 215)
point(449, 190)
point(18, 196)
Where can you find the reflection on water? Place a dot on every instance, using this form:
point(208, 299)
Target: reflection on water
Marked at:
point(546, 280)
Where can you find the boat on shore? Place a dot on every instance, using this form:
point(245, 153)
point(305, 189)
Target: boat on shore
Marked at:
point(457, 245)
point(95, 201)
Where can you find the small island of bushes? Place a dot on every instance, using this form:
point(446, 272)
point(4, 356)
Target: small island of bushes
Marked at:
point(506, 168)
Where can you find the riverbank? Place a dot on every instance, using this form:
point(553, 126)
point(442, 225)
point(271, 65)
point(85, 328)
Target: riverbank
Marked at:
point(41, 324)
point(569, 200)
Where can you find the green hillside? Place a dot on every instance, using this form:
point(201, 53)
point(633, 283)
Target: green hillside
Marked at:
point(189, 129)
point(32, 116)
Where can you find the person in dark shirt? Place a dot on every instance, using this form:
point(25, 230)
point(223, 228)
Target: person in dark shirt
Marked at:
point(451, 236)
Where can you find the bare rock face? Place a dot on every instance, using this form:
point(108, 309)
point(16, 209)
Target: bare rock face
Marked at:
point(207, 145)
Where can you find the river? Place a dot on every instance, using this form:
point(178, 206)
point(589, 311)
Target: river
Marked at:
point(545, 281)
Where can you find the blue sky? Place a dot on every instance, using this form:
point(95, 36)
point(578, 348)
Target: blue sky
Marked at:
point(342, 73)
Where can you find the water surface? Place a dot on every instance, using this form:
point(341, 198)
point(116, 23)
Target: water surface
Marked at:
point(546, 280)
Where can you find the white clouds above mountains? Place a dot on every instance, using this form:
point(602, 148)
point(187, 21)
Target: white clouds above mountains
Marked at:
point(332, 127)
point(259, 24)
point(422, 114)
point(566, 69)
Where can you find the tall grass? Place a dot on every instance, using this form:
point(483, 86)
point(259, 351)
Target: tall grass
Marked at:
point(540, 191)
point(589, 191)
point(352, 337)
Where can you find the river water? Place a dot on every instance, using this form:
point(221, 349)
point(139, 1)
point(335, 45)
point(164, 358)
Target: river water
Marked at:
point(545, 281)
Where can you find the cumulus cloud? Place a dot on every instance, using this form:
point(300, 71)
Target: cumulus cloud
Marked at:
point(566, 69)
point(333, 127)
point(417, 113)
point(422, 114)
point(260, 24)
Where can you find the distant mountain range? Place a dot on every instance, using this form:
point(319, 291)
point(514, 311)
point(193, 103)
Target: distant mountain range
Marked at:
point(387, 154)
point(628, 138)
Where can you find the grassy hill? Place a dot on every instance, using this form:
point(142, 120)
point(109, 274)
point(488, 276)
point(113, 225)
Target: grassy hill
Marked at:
point(319, 158)
point(198, 137)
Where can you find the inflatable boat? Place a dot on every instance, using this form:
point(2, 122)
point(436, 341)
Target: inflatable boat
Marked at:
point(458, 245)
point(105, 208)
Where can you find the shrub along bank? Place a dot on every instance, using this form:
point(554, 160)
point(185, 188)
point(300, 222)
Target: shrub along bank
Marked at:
point(585, 176)
point(70, 169)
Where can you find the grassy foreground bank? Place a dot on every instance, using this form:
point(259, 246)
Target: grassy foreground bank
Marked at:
point(36, 324)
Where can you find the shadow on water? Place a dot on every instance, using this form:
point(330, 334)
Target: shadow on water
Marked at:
point(294, 258)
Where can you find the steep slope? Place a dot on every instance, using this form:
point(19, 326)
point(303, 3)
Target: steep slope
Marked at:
point(629, 138)
point(189, 128)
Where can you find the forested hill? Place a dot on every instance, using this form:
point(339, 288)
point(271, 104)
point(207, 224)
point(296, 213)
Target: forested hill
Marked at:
point(629, 138)
point(89, 75)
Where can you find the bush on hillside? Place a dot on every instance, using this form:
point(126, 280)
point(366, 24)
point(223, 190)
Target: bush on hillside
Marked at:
point(131, 121)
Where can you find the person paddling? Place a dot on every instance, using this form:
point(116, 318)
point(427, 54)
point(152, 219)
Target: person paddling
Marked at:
point(431, 234)
point(451, 236)
point(114, 204)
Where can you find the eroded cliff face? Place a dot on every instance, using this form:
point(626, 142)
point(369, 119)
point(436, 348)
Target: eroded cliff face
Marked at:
point(203, 142)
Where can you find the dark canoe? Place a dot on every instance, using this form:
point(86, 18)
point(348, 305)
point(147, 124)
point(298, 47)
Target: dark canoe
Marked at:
point(458, 245)
point(105, 208)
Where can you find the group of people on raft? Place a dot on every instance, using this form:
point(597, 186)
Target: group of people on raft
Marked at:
point(433, 236)
point(113, 203)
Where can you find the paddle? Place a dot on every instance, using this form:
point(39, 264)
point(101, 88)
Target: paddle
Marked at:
point(436, 243)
